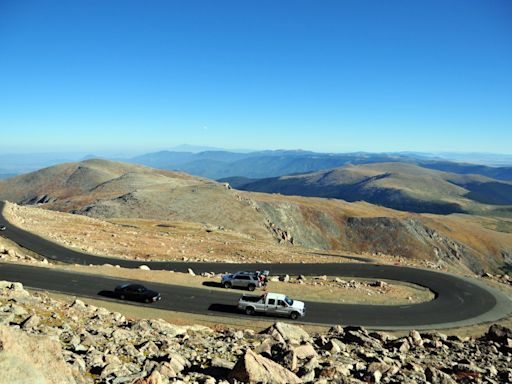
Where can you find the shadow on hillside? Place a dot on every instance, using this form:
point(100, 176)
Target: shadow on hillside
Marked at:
point(355, 258)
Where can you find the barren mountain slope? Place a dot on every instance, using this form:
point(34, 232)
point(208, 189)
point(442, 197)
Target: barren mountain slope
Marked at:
point(396, 185)
point(477, 243)
point(104, 189)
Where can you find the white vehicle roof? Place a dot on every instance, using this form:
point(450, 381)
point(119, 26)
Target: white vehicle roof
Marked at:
point(273, 295)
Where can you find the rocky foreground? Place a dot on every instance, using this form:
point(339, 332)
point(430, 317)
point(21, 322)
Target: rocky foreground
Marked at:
point(47, 341)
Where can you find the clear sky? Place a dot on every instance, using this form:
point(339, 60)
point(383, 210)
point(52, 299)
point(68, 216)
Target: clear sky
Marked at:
point(319, 75)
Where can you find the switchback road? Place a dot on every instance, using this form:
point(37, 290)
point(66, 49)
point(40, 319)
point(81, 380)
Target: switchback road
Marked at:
point(459, 301)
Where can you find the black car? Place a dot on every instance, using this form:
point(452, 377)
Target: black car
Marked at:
point(136, 292)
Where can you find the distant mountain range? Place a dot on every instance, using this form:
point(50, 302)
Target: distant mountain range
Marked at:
point(264, 164)
point(218, 164)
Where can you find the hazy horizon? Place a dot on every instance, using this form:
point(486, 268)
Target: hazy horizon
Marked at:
point(26, 161)
point(203, 148)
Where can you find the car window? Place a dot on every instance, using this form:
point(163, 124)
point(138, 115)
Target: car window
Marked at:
point(271, 301)
point(281, 303)
point(243, 277)
point(135, 288)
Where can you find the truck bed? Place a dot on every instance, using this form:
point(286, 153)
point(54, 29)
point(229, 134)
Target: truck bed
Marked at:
point(251, 298)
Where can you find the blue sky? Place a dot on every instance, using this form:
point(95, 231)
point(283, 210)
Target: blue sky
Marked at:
point(319, 75)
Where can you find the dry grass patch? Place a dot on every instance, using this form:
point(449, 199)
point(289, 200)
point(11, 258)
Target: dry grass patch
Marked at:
point(147, 240)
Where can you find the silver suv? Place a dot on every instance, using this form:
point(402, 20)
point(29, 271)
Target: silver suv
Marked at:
point(249, 280)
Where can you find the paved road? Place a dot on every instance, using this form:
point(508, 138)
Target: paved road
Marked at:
point(458, 301)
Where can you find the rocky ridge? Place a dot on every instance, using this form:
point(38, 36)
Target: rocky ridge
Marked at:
point(100, 346)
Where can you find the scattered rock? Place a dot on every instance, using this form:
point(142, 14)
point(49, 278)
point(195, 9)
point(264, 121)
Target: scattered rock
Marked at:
point(498, 333)
point(289, 332)
point(253, 368)
point(435, 376)
point(30, 322)
point(154, 378)
point(222, 363)
point(284, 278)
point(305, 351)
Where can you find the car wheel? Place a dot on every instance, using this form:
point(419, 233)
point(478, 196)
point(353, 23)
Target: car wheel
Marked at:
point(251, 287)
point(122, 297)
point(294, 315)
point(227, 284)
point(147, 300)
point(249, 311)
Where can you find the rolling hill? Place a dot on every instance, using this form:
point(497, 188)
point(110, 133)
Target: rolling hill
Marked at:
point(107, 190)
point(401, 186)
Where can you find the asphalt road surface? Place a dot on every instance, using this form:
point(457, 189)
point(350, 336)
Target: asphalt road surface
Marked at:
point(459, 301)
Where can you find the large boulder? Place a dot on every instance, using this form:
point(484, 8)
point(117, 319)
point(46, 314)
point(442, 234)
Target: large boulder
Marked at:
point(436, 376)
point(290, 333)
point(13, 289)
point(154, 378)
point(253, 368)
point(31, 359)
point(498, 333)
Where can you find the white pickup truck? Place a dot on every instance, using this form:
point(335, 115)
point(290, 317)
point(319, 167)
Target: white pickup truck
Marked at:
point(270, 303)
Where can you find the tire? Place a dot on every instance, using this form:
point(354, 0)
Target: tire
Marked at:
point(249, 311)
point(294, 315)
point(147, 300)
point(227, 284)
point(251, 287)
point(122, 297)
